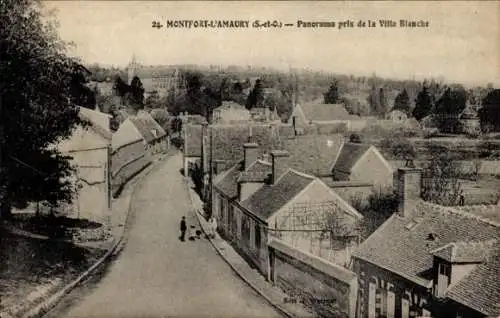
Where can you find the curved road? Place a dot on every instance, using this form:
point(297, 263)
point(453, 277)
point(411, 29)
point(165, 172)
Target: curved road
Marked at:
point(157, 275)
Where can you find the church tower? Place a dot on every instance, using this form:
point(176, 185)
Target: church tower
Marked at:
point(132, 68)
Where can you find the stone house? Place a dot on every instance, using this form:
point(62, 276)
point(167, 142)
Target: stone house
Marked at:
point(256, 199)
point(144, 126)
point(192, 148)
point(363, 162)
point(90, 148)
point(430, 260)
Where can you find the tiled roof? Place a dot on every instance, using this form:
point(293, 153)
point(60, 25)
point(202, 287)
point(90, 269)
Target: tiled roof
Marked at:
point(480, 289)
point(228, 140)
point(147, 127)
point(464, 252)
point(227, 183)
point(313, 154)
point(270, 198)
point(349, 156)
point(324, 112)
point(403, 244)
point(99, 121)
point(257, 172)
point(193, 140)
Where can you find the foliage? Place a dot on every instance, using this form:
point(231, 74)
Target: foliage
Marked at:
point(256, 96)
point(489, 114)
point(399, 148)
point(81, 95)
point(402, 102)
point(448, 108)
point(153, 101)
point(136, 93)
point(423, 104)
point(332, 95)
point(441, 178)
point(37, 107)
point(379, 208)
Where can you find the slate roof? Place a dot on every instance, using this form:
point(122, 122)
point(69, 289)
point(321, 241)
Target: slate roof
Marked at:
point(313, 154)
point(270, 198)
point(258, 171)
point(349, 156)
point(193, 140)
point(464, 252)
point(324, 112)
point(146, 126)
point(403, 245)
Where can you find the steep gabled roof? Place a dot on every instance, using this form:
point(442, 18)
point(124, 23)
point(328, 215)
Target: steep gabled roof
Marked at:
point(403, 245)
point(313, 154)
point(149, 129)
point(227, 183)
point(270, 198)
point(349, 156)
point(99, 122)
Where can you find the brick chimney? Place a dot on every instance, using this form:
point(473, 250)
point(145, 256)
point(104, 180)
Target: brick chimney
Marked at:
point(278, 158)
point(409, 189)
point(251, 153)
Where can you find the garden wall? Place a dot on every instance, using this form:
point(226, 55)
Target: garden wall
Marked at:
point(328, 289)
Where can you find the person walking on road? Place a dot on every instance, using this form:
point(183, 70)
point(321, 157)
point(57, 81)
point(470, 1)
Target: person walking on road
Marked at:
point(183, 228)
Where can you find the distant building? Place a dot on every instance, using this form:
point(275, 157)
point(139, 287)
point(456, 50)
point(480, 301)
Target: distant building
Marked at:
point(363, 162)
point(430, 260)
point(90, 148)
point(159, 79)
point(144, 126)
point(469, 120)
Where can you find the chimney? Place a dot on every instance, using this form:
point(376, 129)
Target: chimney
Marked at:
point(278, 163)
point(251, 151)
point(409, 189)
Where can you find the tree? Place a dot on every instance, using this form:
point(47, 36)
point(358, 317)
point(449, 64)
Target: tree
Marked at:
point(81, 94)
point(448, 108)
point(402, 102)
point(441, 178)
point(120, 87)
point(423, 104)
point(37, 108)
point(489, 114)
point(153, 101)
point(382, 101)
point(332, 95)
point(136, 93)
point(374, 102)
point(256, 96)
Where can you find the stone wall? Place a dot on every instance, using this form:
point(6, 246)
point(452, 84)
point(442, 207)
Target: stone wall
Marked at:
point(327, 289)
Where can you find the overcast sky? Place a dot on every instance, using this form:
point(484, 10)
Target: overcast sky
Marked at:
point(461, 43)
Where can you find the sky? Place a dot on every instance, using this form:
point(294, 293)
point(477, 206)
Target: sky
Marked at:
point(461, 43)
